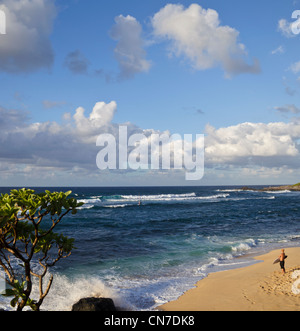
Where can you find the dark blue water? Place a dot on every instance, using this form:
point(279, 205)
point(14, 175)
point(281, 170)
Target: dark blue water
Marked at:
point(146, 246)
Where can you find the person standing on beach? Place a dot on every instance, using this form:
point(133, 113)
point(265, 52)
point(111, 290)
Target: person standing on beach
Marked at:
point(282, 258)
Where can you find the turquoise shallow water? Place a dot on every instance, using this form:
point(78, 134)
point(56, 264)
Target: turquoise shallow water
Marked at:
point(146, 246)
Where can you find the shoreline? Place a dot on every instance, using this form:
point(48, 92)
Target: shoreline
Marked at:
point(258, 287)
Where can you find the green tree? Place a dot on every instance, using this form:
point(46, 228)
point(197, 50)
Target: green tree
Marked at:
point(27, 239)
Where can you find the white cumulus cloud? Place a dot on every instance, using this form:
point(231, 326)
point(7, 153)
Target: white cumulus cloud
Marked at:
point(197, 34)
point(285, 28)
point(69, 148)
point(129, 52)
point(101, 115)
point(236, 144)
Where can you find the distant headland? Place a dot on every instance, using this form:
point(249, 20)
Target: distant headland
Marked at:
point(295, 187)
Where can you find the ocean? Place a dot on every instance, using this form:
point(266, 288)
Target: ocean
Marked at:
point(145, 246)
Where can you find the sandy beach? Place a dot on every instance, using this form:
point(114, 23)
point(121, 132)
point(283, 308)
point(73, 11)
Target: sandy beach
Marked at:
point(259, 287)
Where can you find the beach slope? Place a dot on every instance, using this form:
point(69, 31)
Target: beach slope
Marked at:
point(259, 287)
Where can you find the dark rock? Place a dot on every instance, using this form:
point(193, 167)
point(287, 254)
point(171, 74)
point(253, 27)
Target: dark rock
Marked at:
point(94, 304)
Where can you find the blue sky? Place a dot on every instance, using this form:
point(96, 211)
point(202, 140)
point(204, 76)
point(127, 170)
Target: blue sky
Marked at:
point(227, 69)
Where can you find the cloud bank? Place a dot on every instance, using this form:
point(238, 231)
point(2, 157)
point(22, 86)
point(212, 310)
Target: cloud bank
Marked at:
point(69, 149)
point(257, 142)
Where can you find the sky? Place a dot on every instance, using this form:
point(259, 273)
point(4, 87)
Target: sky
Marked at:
point(71, 70)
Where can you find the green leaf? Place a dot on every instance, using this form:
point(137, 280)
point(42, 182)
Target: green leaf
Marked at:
point(14, 301)
point(8, 293)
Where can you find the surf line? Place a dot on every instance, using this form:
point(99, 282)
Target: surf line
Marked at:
point(152, 151)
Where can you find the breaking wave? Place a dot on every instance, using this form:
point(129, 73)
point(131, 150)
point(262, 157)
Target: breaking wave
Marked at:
point(121, 201)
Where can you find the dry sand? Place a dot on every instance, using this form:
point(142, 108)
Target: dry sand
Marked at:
point(259, 287)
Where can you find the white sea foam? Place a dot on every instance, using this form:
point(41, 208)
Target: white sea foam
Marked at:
point(212, 262)
point(129, 200)
point(278, 192)
point(116, 206)
point(87, 201)
point(167, 197)
point(86, 207)
point(159, 197)
point(65, 292)
point(244, 246)
point(230, 190)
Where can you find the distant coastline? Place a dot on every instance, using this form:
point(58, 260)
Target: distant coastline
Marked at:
point(295, 187)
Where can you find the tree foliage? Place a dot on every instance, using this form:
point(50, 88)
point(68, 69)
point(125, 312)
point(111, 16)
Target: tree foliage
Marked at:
point(27, 239)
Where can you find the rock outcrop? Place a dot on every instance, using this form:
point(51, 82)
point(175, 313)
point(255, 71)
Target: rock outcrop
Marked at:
point(295, 187)
point(94, 304)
